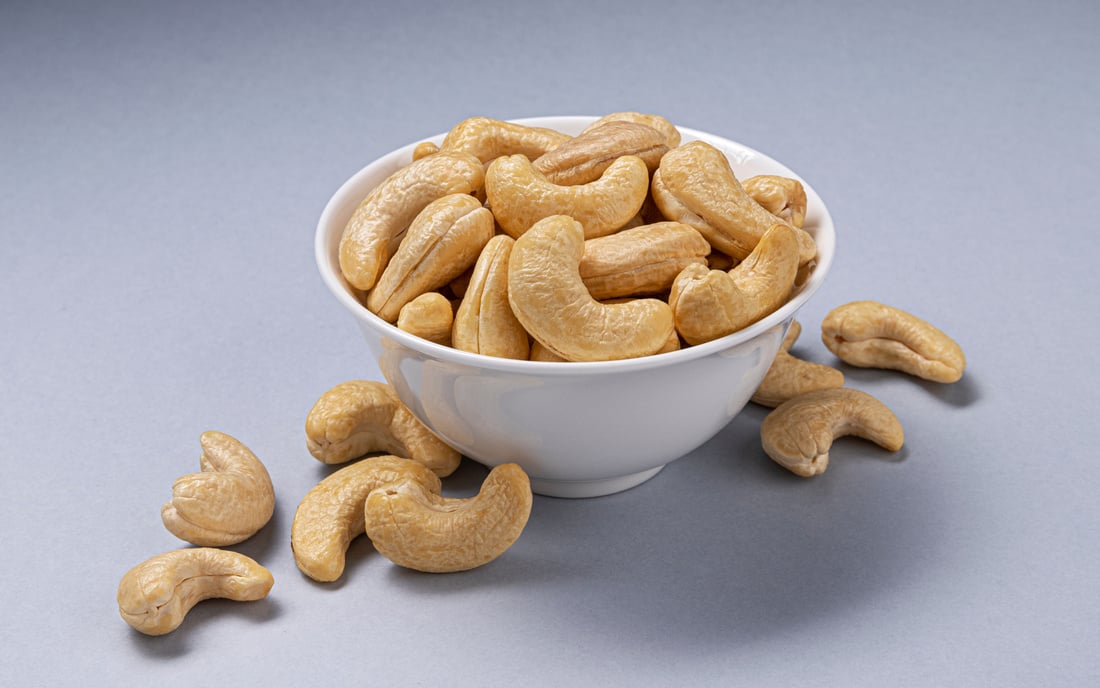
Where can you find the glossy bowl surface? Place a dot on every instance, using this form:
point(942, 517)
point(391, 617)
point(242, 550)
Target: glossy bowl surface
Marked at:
point(577, 429)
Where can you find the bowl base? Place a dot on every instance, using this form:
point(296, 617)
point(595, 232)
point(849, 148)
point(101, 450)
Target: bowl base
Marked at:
point(577, 489)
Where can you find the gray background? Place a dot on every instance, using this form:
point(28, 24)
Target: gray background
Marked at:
point(162, 168)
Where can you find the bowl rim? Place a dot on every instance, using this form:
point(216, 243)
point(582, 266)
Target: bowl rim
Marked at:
point(824, 234)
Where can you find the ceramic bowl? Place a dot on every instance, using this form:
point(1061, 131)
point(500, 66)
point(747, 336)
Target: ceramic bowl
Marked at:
point(577, 429)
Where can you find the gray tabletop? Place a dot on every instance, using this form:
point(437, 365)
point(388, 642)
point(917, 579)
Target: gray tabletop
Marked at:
point(162, 168)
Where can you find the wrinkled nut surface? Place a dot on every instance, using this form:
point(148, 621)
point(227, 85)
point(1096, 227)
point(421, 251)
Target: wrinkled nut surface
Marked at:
point(708, 304)
point(155, 596)
point(442, 242)
point(357, 417)
point(227, 502)
point(519, 196)
point(781, 196)
point(798, 433)
point(550, 300)
point(789, 376)
point(584, 158)
point(485, 323)
point(641, 260)
point(330, 516)
point(488, 139)
point(668, 130)
point(869, 334)
point(415, 527)
point(370, 235)
point(428, 316)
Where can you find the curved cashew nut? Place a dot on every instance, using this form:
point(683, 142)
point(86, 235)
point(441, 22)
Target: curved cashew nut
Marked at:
point(781, 196)
point(362, 416)
point(429, 316)
point(708, 304)
point(790, 376)
point(440, 244)
point(550, 300)
point(155, 596)
point(227, 502)
point(330, 516)
point(520, 196)
point(640, 260)
point(488, 139)
point(485, 323)
point(415, 527)
point(386, 212)
point(668, 130)
point(584, 158)
point(869, 334)
point(798, 433)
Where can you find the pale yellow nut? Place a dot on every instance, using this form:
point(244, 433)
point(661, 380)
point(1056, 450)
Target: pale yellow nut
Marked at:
point(520, 196)
point(781, 196)
point(551, 302)
point(799, 432)
point(375, 228)
point(584, 158)
point(869, 334)
point(226, 503)
point(424, 149)
point(357, 417)
point(330, 516)
point(789, 376)
point(541, 353)
point(708, 304)
point(488, 139)
point(641, 260)
point(442, 242)
point(668, 130)
point(428, 316)
point(413, 526)
point(155, 596)
point(485, 323)
point(697, 177)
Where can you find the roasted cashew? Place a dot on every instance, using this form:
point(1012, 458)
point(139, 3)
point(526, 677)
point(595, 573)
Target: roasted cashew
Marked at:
point(790, 376)
point(708, 304)
point(413, 526)
point(641, 260)
point(485, 323)
point(155, 596)
point(362, 416)
point(387, 211)
point(227, 502)
point(550, 300)
point(520, 196)
point(869, 334)
point(429, 316)
point(440, 244)
point(670, 133)
point(798, 433)
point(330, 516)
point(584, 158)
point(781, 196)
point(488, 139)
point(697, 177)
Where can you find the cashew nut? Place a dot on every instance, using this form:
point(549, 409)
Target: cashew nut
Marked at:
point(798, 433)
point(790, 376)
point(520, 195)
point(550, 300)
point(440, 244)
point(155, 596)
point(781, 196)
point(670, 133)
point(708, 304)
point(362, 416)
point(387, 211)
point(488, 139)
point(869, 334)
point(413, 526)
point(330, 516)
point(641, 260)
point(584, 158)
point(424, 149)
point(485, 323)
point(429, 316)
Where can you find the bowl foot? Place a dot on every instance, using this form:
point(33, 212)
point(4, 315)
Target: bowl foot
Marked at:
point(590, 488)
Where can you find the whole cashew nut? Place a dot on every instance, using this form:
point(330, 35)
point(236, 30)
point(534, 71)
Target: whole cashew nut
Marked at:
point(550, 300)
point(640, 260)
point(361, 416)
point(781, 196)
point(429, 316)
point(584, 158)
point(789, 376)
point(155, 596)
point(413, 526)
point(330, 516)
point(869, 334)
point(668, 130)
point(485, 323)
point(227, 502)
point(488, 139)
point(798, 433)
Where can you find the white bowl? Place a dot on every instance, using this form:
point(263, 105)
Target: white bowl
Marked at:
point(577, 429)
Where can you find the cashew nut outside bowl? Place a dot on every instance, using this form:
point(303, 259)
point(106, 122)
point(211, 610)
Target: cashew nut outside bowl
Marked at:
point(578, 429)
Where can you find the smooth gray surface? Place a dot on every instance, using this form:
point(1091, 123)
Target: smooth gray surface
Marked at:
point(161, 173)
